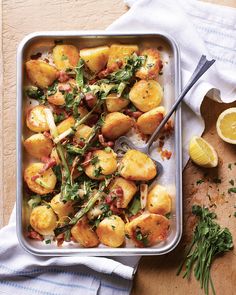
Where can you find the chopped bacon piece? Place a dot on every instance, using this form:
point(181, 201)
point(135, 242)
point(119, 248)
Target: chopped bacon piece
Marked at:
point(92, 120)
point(64, 87)
point(91, 82)
point(103, 143)
point(48, 163)
point(135, 114)
point(36, 56)
point(90, 99)
point(166, 154)
point(87, 159)
point(136, 215)
point(119, 196)
point(63, 77)
point(60, 239)
point(114, 199)
point(34, 235)
point(47, 134)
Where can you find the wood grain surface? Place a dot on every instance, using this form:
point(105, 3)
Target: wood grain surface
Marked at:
point(156, 275)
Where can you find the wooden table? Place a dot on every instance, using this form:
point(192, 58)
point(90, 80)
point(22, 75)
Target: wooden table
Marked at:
point(156, 275)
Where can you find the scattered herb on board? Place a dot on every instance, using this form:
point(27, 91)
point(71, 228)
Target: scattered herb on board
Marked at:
point(199, 181)
point(209, 240)
point(234, 214)
point(232, 190)
point(230, 166)
point(216, 180)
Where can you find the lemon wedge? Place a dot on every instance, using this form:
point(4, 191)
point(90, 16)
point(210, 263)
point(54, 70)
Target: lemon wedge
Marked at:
point(202, 153)
point(226, 125)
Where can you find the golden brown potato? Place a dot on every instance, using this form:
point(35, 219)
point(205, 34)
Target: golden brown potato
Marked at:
point(41, 73)
point(158, 200)
point(116, 124)
point(65, 125)
point(58, 98)
point(119, 53)
point(38, 145)
point(146, 95)
point(136, 165)
point(65, 56)
point(148, 229)
point(95, 58)
point(54, 155)
point(152, 65)
point(83, 234)
point(115, 103)
point(129, 189)
point(44, 184)
point(43, 220)
point(111, 231)
point(82, 132)
point(148, 122)
point(63, 210)
point(36, 119)
point(102, 163)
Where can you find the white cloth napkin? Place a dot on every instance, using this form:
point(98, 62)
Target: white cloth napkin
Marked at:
point(199, 28)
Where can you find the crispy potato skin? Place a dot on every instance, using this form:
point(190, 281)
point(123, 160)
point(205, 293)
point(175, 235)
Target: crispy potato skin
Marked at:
point(41, 73)
point(38, 145)
point(129, 189)
point(149, 121)
point(65, 56)
point(43, 220)
point(106, 160)
point(115, 103)
point(63, 210)
point(65, 125)
point(95, 58)
point(152, 226)
point(158, 200)
point(48, 176)
point(120, 53)
point(82, 132)
point(82, 112)
point(152, 66)
point(116, 124)
point(146, 95)
point(83, 234)
point(36, 119)
point(111, 231)
point(138, 166)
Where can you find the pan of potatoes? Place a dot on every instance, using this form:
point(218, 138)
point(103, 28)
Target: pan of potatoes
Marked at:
point(77, 93)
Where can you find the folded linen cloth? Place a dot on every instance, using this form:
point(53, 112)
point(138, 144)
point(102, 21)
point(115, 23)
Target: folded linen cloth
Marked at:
point(199, 28)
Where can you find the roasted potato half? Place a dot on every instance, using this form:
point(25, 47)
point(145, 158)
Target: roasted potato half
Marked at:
point(111, 231)
point(119, 54)
point(82, 132)
point(65, 56)
point(83, 234)
point(116, 124)
point(95, 58)
point(149, 121)
point(128, 187)
point(65, 124)
point(38, 145)
point(44, 184)
point(62, 209)
point(36, 119)
point(136, 165)
point(152, 65)
point(148, 229)
point(115, 103)
point(43, 220)
point(102, 163)
point(41, 73)
point(146, 95)
point(58, 98)
point(158, 200)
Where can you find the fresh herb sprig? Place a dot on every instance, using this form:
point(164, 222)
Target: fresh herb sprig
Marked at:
point(209, 240)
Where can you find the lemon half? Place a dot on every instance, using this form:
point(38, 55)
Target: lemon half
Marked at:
point(202, 153)
point(226, 125)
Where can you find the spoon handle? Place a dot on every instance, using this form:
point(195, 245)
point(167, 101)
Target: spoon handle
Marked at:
point(202, 67)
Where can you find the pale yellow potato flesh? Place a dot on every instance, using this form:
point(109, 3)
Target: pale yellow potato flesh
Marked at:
point(65, 56)
point(115, 103)
point(63, 210)
point(38, 145)
point(43, 220)
point(158, 200)
point(95, 58)
point(36, 119)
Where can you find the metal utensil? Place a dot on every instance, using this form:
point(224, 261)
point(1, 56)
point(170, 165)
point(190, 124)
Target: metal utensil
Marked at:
point(124, 143)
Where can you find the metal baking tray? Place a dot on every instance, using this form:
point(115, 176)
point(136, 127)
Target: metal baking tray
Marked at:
point(172, 176)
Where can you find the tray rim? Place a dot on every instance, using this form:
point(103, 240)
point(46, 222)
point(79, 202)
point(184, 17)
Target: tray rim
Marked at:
point(178, 150)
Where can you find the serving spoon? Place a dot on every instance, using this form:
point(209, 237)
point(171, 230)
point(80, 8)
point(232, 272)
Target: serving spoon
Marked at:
point(124, 143)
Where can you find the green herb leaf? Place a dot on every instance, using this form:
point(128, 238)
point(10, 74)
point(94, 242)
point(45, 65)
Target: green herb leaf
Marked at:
point(79, 73)
point(231, 182)
point(232, 190)
point(135, 206)
point(35, 93)
point(199, 181)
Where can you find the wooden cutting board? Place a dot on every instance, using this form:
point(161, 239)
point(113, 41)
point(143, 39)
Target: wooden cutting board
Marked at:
point(156, 275)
